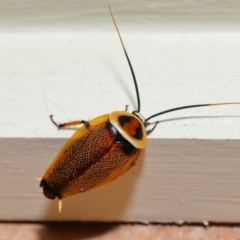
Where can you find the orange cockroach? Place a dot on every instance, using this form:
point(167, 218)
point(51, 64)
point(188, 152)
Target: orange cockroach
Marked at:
point(103, 149)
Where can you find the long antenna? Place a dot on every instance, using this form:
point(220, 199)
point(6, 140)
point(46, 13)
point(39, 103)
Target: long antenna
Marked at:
point(189, 106)
point(129, 62)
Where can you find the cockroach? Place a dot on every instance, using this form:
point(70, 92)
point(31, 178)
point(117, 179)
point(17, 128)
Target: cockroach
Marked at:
point(102, 149)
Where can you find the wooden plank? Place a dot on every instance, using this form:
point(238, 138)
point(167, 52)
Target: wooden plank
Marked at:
point(174, 180)
point(69, 62)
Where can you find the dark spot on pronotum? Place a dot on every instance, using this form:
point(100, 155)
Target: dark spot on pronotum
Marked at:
point(139, 133)
point(124, 119)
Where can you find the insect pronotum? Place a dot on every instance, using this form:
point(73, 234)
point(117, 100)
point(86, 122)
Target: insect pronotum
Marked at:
point(102, 149)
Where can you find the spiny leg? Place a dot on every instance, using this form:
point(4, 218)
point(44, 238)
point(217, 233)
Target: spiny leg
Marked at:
point(68, 124)
point(152, 129)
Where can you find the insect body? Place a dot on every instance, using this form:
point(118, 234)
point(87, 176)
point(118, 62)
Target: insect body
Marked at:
point(96, 154)
point(101, 150)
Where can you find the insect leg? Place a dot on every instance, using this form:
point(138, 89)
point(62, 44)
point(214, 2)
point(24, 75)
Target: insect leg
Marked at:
point(151, 130)
point(68, 124)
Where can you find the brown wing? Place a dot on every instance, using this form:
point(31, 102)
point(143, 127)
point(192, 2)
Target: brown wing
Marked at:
point(112, 165)
point(85, 146)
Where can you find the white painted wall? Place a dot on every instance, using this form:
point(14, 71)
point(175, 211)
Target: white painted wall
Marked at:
point(64, 58)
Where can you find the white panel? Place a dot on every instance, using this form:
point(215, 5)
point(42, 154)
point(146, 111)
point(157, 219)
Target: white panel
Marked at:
point(79, 75)
point(64, 58)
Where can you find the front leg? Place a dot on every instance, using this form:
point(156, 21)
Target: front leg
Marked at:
point(68, 124)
